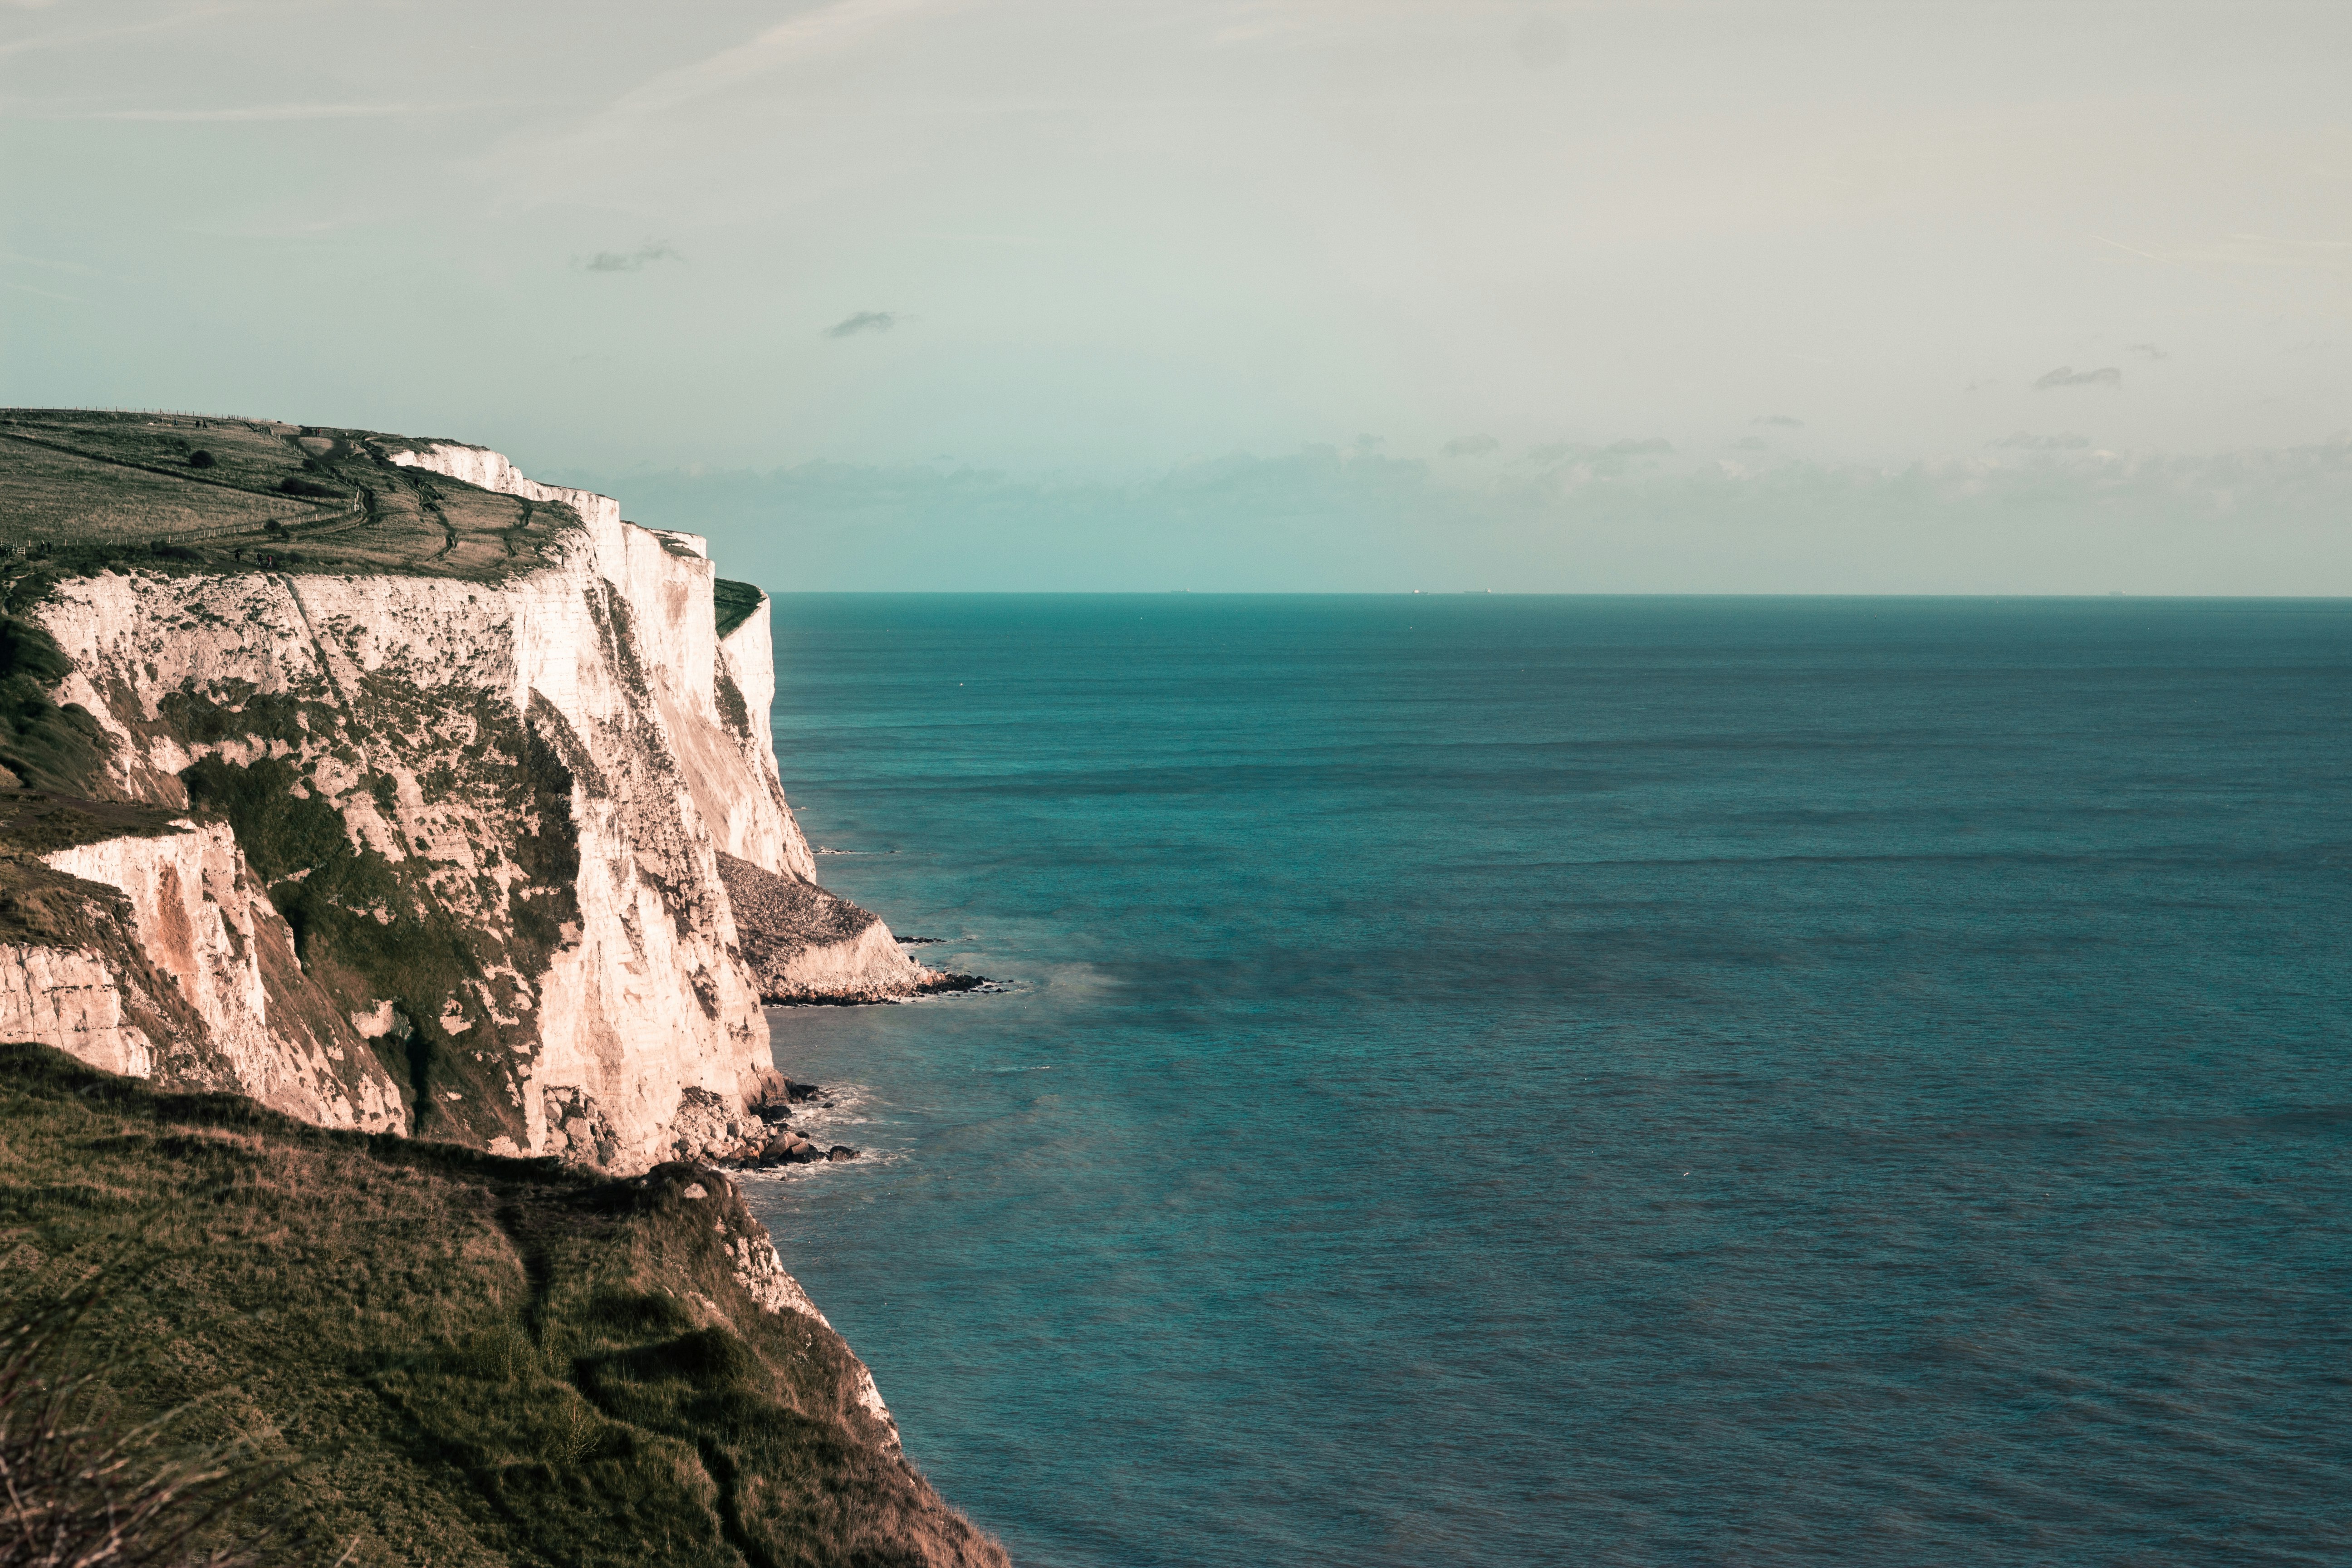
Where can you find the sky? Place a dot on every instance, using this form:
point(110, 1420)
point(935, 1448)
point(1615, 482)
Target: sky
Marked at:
point(1248, 294)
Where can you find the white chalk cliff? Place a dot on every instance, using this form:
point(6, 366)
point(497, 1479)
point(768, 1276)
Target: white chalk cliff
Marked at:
point(440, 854)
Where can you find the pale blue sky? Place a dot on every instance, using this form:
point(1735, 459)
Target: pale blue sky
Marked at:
point(2100, 256)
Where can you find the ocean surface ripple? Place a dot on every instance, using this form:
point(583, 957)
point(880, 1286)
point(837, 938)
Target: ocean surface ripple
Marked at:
point(1517, 1081)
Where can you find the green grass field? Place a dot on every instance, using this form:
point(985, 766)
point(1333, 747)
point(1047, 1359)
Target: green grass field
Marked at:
point(81, 491)
point(441, 1356)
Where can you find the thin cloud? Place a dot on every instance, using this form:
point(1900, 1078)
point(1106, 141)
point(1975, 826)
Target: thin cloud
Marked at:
point(2044, 443)
point(811, 33)
point(2146, 350)
point(2067, 375)
point(1470, 445)
point(43, 293)
point(2317, 244)
point(20, 259)
point(1648, 448)
point(629, 261)
point(1788, 420)
point(191, 16)
point(2066, 520)
point(625, 119)
point(863, 322)
point(275, 112)
point(2250, 250)
point(2270, 250)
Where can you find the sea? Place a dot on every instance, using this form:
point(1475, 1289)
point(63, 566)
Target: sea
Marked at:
point(1498, 1081)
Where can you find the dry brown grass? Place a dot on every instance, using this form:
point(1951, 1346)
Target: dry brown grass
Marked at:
point(79, 1490)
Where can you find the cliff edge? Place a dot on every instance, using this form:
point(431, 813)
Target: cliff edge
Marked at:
point(370, 778)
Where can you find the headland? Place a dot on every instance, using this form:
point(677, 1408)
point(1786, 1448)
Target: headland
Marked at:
point(407, 798)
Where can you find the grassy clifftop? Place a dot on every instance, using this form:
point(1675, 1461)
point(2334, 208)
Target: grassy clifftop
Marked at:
point(80, 491)
point(462, 1359)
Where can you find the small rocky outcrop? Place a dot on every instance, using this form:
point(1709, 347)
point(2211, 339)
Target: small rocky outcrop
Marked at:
point(804, 944)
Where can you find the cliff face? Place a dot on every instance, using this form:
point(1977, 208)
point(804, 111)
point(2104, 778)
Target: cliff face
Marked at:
point(451, 861)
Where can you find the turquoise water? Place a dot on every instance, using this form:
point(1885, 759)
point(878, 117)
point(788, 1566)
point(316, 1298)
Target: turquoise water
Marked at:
point(1501, 1081)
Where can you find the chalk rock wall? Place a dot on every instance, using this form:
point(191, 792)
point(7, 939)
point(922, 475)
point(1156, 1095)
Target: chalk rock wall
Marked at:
point(725, 751)
point(722, 747)
point(452, 862)
point(156, 954)
point(225, 956)
point(77, 999)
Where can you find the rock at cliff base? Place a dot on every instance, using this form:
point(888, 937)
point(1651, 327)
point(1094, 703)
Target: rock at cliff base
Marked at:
point(841, 1151)
point(804, 944)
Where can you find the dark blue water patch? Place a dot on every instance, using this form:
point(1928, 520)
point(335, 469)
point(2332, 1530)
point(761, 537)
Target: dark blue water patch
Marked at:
point(1503, 1081)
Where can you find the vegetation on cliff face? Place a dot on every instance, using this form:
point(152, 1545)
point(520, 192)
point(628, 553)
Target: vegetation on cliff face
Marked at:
point(41, 743)
point(443, 1357)
point(732, 602)
point(368, 928)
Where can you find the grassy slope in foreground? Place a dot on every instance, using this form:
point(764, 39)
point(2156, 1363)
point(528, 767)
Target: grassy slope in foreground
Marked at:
point(467, 1359)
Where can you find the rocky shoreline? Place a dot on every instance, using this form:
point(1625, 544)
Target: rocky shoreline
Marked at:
point(759, 1137)
point(935, 983)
